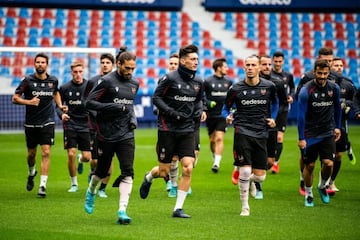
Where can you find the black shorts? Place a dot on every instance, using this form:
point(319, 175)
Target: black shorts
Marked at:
point(124, 151)
point(325, 148)
point(271, 143)
point(74, 139)
point(281, 121)
point(171, 143)
point(197, 139)
point(40, 135)
point(342, 143)
point(250, 151)
point(93, 144)
point(216, 124)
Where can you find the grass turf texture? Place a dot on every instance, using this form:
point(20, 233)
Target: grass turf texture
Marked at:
point(214, 204)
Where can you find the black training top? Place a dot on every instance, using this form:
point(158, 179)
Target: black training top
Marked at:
point(72, 95)
point(113, 99)
point(178, 97)
point(215, 89)
point(31, 86)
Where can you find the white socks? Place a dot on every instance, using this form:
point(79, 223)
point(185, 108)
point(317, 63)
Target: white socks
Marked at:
point(125, 189)
point(43, 181)
point(181, 196)
point(244, 184)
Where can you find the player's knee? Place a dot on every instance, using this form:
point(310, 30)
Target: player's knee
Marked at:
point(127, 179)
point(245, 173)
point(259, 179)
point(310, 166)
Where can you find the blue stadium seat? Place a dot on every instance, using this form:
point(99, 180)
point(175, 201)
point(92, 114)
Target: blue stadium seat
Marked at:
point(250, 17)
point(295, 52)
point(106, 23)
point(139, 72)
point(240, 73)
point(273, 44)
point(57, 42)
point(33, 32)
point(84, 14)
point(162, 72)
point(151, 43)
point(82, 33)
point(55, 62)
point(9, 32)
point(29, 70)
point(105, 43)
point(174, 16)
point(151, 62)
point(141, 16)
point(294, 18)
point(206, 53)
point(59, 23)
point(105, 33)
point(317, 35)
point(23, 13)
point(340, 52)
point(307, 63)
point(208, 72)
point(229, 54)
point(10, 22)
point(129, 15)
point(229, 16)
point(217, 44)
point(107, 15)
point(305, 18)
point(33, 42)
point(4, 71)
point(47, 23)
point(2, 14)
point(46, 32)
point(128, 33)
point(60, 13)
point(273, 32)
point(351, 43)
point(338, 17)
point(16, 81)
point(82, 42)
point(163, 53)
point(83, 23)
point(229, 25)
point(152, 25)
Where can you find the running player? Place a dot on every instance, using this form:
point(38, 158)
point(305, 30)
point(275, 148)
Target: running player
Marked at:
point(107, 62)
point(113, 99)
point(38, 91)
point(284, 107)
point(318, 127)
point(75, 121)
point(178, 97)
point(256, 108)
point(215, 89)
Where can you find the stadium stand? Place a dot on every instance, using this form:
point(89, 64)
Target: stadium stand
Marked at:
point(157, 34)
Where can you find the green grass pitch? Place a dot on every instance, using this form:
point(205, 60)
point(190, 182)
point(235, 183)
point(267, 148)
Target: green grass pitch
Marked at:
point(214, 204)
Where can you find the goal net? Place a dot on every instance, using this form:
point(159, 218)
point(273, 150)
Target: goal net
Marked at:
point(16, 62)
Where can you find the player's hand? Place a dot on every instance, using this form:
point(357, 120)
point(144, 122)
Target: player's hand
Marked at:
point(271, 122)
point(203, 117)
point(64, 109)
point(35, 101)
point(337, 134)
point(290, 99)
point(230, 118)
point(302, 144)
point(65, 117)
